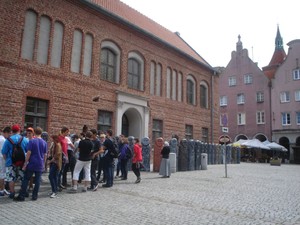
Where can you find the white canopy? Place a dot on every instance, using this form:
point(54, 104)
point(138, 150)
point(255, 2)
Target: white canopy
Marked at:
point(275, 146)
point(254, 143)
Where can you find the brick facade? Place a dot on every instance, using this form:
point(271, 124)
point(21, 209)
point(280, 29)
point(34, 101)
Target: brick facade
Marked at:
point(69, 95)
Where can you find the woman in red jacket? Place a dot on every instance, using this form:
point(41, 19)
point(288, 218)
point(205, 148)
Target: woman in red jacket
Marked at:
point(137, 159)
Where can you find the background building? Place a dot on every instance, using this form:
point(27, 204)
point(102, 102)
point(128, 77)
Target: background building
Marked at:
point(105, 65)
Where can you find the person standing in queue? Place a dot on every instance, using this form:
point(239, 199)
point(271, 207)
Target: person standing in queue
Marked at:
point(137, 159)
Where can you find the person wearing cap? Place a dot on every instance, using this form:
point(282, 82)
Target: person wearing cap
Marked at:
point(34, 164)
point(165, 169)
point(13, 172)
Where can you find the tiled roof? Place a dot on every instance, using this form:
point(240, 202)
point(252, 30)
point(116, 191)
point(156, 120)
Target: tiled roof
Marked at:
point(139, 20)
point(278, 57)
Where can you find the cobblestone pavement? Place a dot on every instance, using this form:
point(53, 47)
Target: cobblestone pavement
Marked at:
point(252, 194)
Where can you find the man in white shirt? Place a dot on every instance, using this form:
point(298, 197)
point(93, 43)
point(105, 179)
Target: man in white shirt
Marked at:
point(6, 133)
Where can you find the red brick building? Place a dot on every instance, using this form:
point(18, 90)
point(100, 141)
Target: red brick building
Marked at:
point(103, 64)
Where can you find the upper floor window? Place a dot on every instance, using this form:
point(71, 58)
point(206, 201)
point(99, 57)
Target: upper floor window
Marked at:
point(135, 68)
point(104, 120)
point(36, 114)
point(190, 90)
point(259, 96)
point(203, 95)
point(108, 65)
point(77, 52)
point(223, 101)
point(155, 79)
point(188, 132)
point(260, 117)
point(57, 45)
point(298, 118)
point(285, 96)
point(240, 99)
point(110, 62)
point(28, 39)
point(241, 119)
point(232, 81)
point(44, 40)
point(286, 118)
point(179, 87)
point(296, 74)
point(297, 95)
point(248, 79)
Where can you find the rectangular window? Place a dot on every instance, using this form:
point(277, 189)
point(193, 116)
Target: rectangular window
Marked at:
point(88, 55)
point(43, 42)
point(260, 117)
point(36, 113)
point(232, 81)
point(248, 79)
point(188, 132)
point(298, 118)
point(157, 128)
point(240, 99)
point(285, 96)
point(286, 118)
point(104, 120)
point(57, 45)
point(205, 134)
point(223, 101)
point(296, 74)
point(241, 118)
point(297, 95)
point(259, 97)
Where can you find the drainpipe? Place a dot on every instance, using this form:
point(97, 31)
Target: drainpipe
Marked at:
point(212, 107)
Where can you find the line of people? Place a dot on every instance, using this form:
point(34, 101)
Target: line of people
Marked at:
point(83, 156)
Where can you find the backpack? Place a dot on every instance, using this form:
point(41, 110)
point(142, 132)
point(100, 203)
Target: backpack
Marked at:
point(18, 155)
point(115, 150)
point(128, 153)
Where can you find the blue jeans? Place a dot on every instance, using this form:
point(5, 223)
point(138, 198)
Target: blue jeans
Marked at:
point(53, 177)
point(60, 173)
point(37, 181)
point(109, 172)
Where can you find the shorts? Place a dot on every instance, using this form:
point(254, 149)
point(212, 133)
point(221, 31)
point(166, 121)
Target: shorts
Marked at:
point(2, 168)
point(13, 173)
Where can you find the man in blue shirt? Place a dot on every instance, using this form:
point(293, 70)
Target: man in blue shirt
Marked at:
point(13, 172)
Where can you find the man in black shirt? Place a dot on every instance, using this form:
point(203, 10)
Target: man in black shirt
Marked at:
point(84, 162)
point(108, 162)
point(95, 152)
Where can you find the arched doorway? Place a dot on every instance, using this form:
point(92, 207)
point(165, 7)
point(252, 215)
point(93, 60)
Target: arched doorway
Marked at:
point(284, 141)
point(131, 123)
point(261, 137)
point(297, 151)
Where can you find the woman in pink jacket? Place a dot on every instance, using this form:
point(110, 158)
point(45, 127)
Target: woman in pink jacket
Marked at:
point(137, 159)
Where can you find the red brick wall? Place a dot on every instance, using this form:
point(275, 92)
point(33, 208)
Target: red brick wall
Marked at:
point(70, 94)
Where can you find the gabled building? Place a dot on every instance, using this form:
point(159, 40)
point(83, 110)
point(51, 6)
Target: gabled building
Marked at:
point(102, 64)
point(244, 98)
point(286, 103)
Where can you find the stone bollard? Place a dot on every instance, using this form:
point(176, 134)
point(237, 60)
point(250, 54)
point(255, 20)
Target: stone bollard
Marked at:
point(158, 146)
point(183, 156)
point(172, 157)
point(146, 148)
point(203, 161)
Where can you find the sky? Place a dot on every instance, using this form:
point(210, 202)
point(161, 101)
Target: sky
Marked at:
point(212, 27)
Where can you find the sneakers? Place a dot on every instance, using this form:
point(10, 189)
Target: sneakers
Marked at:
point(96, 187)
point(138, 180)
point(53, 195)
point(84, 189)
point(6, 192)
point(62, 186)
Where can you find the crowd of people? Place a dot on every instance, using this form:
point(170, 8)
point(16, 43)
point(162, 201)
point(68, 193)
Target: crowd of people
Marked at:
point(88, 156)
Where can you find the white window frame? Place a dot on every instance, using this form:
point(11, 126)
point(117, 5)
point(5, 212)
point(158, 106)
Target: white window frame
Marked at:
point(285, 96)
point(232, 81)
point(297, 95)
point(223, 100)
point(240, 99)
point(259, 96)
point(241, 118)
point(286, 119)
point(298, 118)
point(296, 74)
point(248, 79)
point(260, 117)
